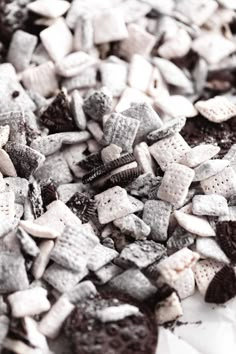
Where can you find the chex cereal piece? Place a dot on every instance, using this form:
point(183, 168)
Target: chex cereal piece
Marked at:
point(222, 287)
point(230, 216)
point(4, 134)
point(121, 130)
point(132, 283)
point(6, 166)
point(176, 106)
point(110, 153)
point(28, 245)
point(29, 302)
point(21, 49)
point(16, 121)
point(82, 206)
point(226, 235)
point(149, 119)
point(25, 159)
point(56, 167)
point(223, 183)
point(133, 226)
point(80, 292)
point(41, 79)
point(114, 75)
point(180, 240)
point(208, 248)
point(13, 272)
point(57, 39)
point(73, 155)
point(109, 26)
point(85, 79)
point(204, 272)
point(171, 127)
point(37, 230)
point(209, 168)
point(4, 327)
point(220, 47)
point(50, 144)
point(77, 110)
point(84, 33)
point(7, 208)
point(144, 185)
point(231, 154)
point(2, 183)
point(100, 256)
point(66, 191)
point(98, 103)
point(143, 158)
point(140, 73)
point(195, 224)
point(63, 279)
point(129, 96)
point(173, 267)
point(217, 109)
point(175, 184)
point(168, 309)
point(35, 338)
point(96, 131)
point(176, 45)
point(113, 204)
point(52, 9)
point(116, 313)
point(6, 225)
point(139, 41)
point(211, 204)
point(185, 284)
point(42, 260)
point(169, 150)
point(156, 214)
point(74, 247)
point(199, 154)
point(74, 63)
point(52, 322)
point(142, 253)
point(197, 12)
point(106, 273)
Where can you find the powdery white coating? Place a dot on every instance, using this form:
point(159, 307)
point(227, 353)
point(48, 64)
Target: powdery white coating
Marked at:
point(116, 313)
point(199, 154)
point(223, 183)
point(29, 302)
point(197, 12)
point(176, 45)
point(42, 260)
point(218, 109)
point(209, 248)
point(106, 273)
point(77, 110)
point(52, 322)
point(114, 75)
point(28, 245)
point(74, 64)
point(110, 153)
point(195, 224)
point(82, 291)
point(133, 226)
point(230, 216)
point(204, 272)
point(143, 157)
point(176, 106)
point(169, 309)
point(7, 206)
point(37, 230)
point(211, 204)
point(6, 166)
point(49, 9)
point(185, 284)
point(140, 71)
point(209, 168)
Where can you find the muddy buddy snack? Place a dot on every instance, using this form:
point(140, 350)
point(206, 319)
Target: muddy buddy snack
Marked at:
point(117, 176)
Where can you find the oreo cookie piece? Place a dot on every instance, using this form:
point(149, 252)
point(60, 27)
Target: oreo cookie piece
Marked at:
point(222, 287)
point(91, 161)
point(82, 206)
point(35, 197)
point(132, 331)
point(48, 192)
point(124, 177)
point(226, 237)
point(57, 116)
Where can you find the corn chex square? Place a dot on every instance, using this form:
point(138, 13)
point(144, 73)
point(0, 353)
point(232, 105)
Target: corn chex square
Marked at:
point(175, 184)
point(224, 183)
point(217, 109)
point(169, 150)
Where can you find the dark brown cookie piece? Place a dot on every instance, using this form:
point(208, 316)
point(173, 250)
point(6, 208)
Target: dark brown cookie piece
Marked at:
point(91, 161)
point(136, 334)
point(82, 206)
point(222, 287)
point(124, 177)
point(48, 192)
point(226, 237)
point(35, 197)
point(57, 116)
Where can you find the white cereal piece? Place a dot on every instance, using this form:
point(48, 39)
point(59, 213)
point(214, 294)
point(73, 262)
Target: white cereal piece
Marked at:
point(6, 166)
point(139, 41)
point(63, 279)
point(41, 79)
point(95, 130)
point(134, 10)
point(172, 268)
point(7, 205)
point(195, 224)
point(129, 96)
point(211, 204)
point(2, 183)
point(66, 191)
point(230, 216)
point(218, 109)
point(143, 157)
point(114, 75)
point(223, 183)
point(77, 110)
point(93, 146)
point(28, 245)
point(4, 134)
point(21, 49)
point(140, 72)
point(74, 64)
point(57, 39)
point(42, 260)
point(35, 338)
point(50, 144)
point(209, 248)
point(168, 310)
point(71, 251)
point(175, 45)
point(199, 154)
point(19, 347)
point(106, 273)
point(29, 302)
point(197, 12)
point(37, 230)
point(113, 204)
point(117, 313)
point(204, 272)
point(49, 9)
point(73, 155)
point(133, 226)
point(100, 256)
point(169, 150)
point(185, 284)
point(175, 184)
point(85, 79)
point(231, 155)
point(176, 106)
point(110, 153)
point(209, 168)
point(109, 26)
point(4, 328)
point(84, 33)
point(52, 322)
point(83, 290)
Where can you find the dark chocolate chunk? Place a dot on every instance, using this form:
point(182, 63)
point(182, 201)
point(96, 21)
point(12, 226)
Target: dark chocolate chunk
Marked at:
point(82, 206)
point(226, 237)
point(222, 287)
